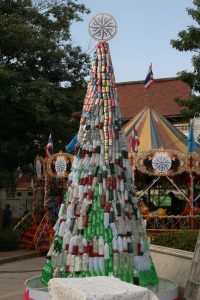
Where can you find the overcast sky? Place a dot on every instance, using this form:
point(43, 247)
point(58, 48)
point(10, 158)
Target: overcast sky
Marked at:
point(145, 29)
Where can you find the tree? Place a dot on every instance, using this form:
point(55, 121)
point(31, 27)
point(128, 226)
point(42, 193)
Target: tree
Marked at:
point(42, 79)
point(189, 40)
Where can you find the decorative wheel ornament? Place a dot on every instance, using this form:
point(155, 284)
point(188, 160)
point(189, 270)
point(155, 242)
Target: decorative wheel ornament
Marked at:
point(59, 164)
point(103, 27)
point(161, 162)
point(39, 167)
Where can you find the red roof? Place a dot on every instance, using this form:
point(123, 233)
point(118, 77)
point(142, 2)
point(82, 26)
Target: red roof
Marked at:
point(133, 97)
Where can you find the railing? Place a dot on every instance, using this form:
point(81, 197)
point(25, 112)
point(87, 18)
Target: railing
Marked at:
point(42, 231)
point(25, 223)
point(173, 222)
point(183, 127)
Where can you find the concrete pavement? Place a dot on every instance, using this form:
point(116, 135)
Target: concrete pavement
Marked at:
point(14, 274)
point(19, 254)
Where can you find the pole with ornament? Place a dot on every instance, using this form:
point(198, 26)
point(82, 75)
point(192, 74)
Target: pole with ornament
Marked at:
point(99, 231)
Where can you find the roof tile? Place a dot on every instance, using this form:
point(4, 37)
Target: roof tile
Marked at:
point(133, 97)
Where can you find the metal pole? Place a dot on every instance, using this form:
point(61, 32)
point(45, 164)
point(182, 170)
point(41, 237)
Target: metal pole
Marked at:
point(191, 193)
point(153, 182)
point(174, 184)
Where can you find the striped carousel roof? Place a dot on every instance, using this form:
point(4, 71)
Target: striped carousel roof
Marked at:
point(155, 132)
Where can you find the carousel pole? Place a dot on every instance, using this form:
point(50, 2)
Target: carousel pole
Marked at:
point(34, 190)
point(48, 153)
point(45, 187)
point(135, 142)
point(191, 196)
point(192, 147)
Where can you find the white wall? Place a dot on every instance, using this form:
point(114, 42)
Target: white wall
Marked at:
point(172, 264)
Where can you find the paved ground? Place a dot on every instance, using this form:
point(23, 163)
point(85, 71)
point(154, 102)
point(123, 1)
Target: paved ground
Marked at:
point(13, 275)
point(19, 254)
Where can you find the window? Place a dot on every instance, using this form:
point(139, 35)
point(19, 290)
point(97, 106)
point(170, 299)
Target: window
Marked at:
point(30, 193)
point(19, 194)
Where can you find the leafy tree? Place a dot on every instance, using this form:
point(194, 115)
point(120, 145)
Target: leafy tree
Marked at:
point(42, 79)
point(189, 40)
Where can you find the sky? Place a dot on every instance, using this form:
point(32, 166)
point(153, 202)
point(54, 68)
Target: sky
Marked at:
point(145, 29)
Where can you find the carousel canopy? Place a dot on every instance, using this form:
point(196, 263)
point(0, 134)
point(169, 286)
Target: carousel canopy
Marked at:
point(155, 132)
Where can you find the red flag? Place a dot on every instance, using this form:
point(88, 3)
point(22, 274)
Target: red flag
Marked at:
point(149, 78)
point(49, 148)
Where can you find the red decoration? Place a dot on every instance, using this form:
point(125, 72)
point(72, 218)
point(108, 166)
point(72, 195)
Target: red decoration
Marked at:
point(190, 162)
point(26, 295)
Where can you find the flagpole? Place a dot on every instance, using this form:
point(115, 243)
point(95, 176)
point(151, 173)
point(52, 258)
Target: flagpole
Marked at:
point(150, 96)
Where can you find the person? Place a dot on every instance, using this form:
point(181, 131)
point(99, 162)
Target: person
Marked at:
point(7, 216)
point(69, 165)
point(176, 205)
point(152, 206)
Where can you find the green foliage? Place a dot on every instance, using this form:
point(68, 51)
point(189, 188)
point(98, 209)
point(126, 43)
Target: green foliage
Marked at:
point(42, 79)
point(189, 40)
point(9, 239)
point(180, 239)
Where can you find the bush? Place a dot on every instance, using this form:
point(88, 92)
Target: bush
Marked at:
point(181, 239)
point(9, 239)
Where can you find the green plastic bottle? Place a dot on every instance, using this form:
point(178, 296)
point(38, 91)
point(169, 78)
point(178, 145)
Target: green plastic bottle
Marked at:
point(47, 271)
point(110, 266)
point(106, 236)
point(58, 243)
point(125, 275)
point(106, 266)
point(63, 274)
point(110, 249)
point(110, 235)
point(154, 276)
point(130, 274)
point(142, 278)
point(89, 233)
point(101, 229)
point(120, 269)
point(98, 230)
point(98, 202)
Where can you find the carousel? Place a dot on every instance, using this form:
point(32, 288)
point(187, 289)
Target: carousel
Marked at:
point(164, 172)
point(49, 186)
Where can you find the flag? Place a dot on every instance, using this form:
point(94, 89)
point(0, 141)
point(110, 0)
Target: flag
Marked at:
point(135, 140)
point(149, 79)
point(72, 144)
point(49, 148)
point(191, 141)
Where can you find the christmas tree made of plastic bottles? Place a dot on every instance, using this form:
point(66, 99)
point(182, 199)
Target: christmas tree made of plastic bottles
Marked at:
point(99, 231)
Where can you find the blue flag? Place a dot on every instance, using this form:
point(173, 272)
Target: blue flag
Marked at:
point(191, 141)
point(72, 145)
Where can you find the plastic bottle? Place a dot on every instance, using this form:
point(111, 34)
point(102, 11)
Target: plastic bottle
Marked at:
point(136, 280)
point(47, 271)
point(58, 244)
